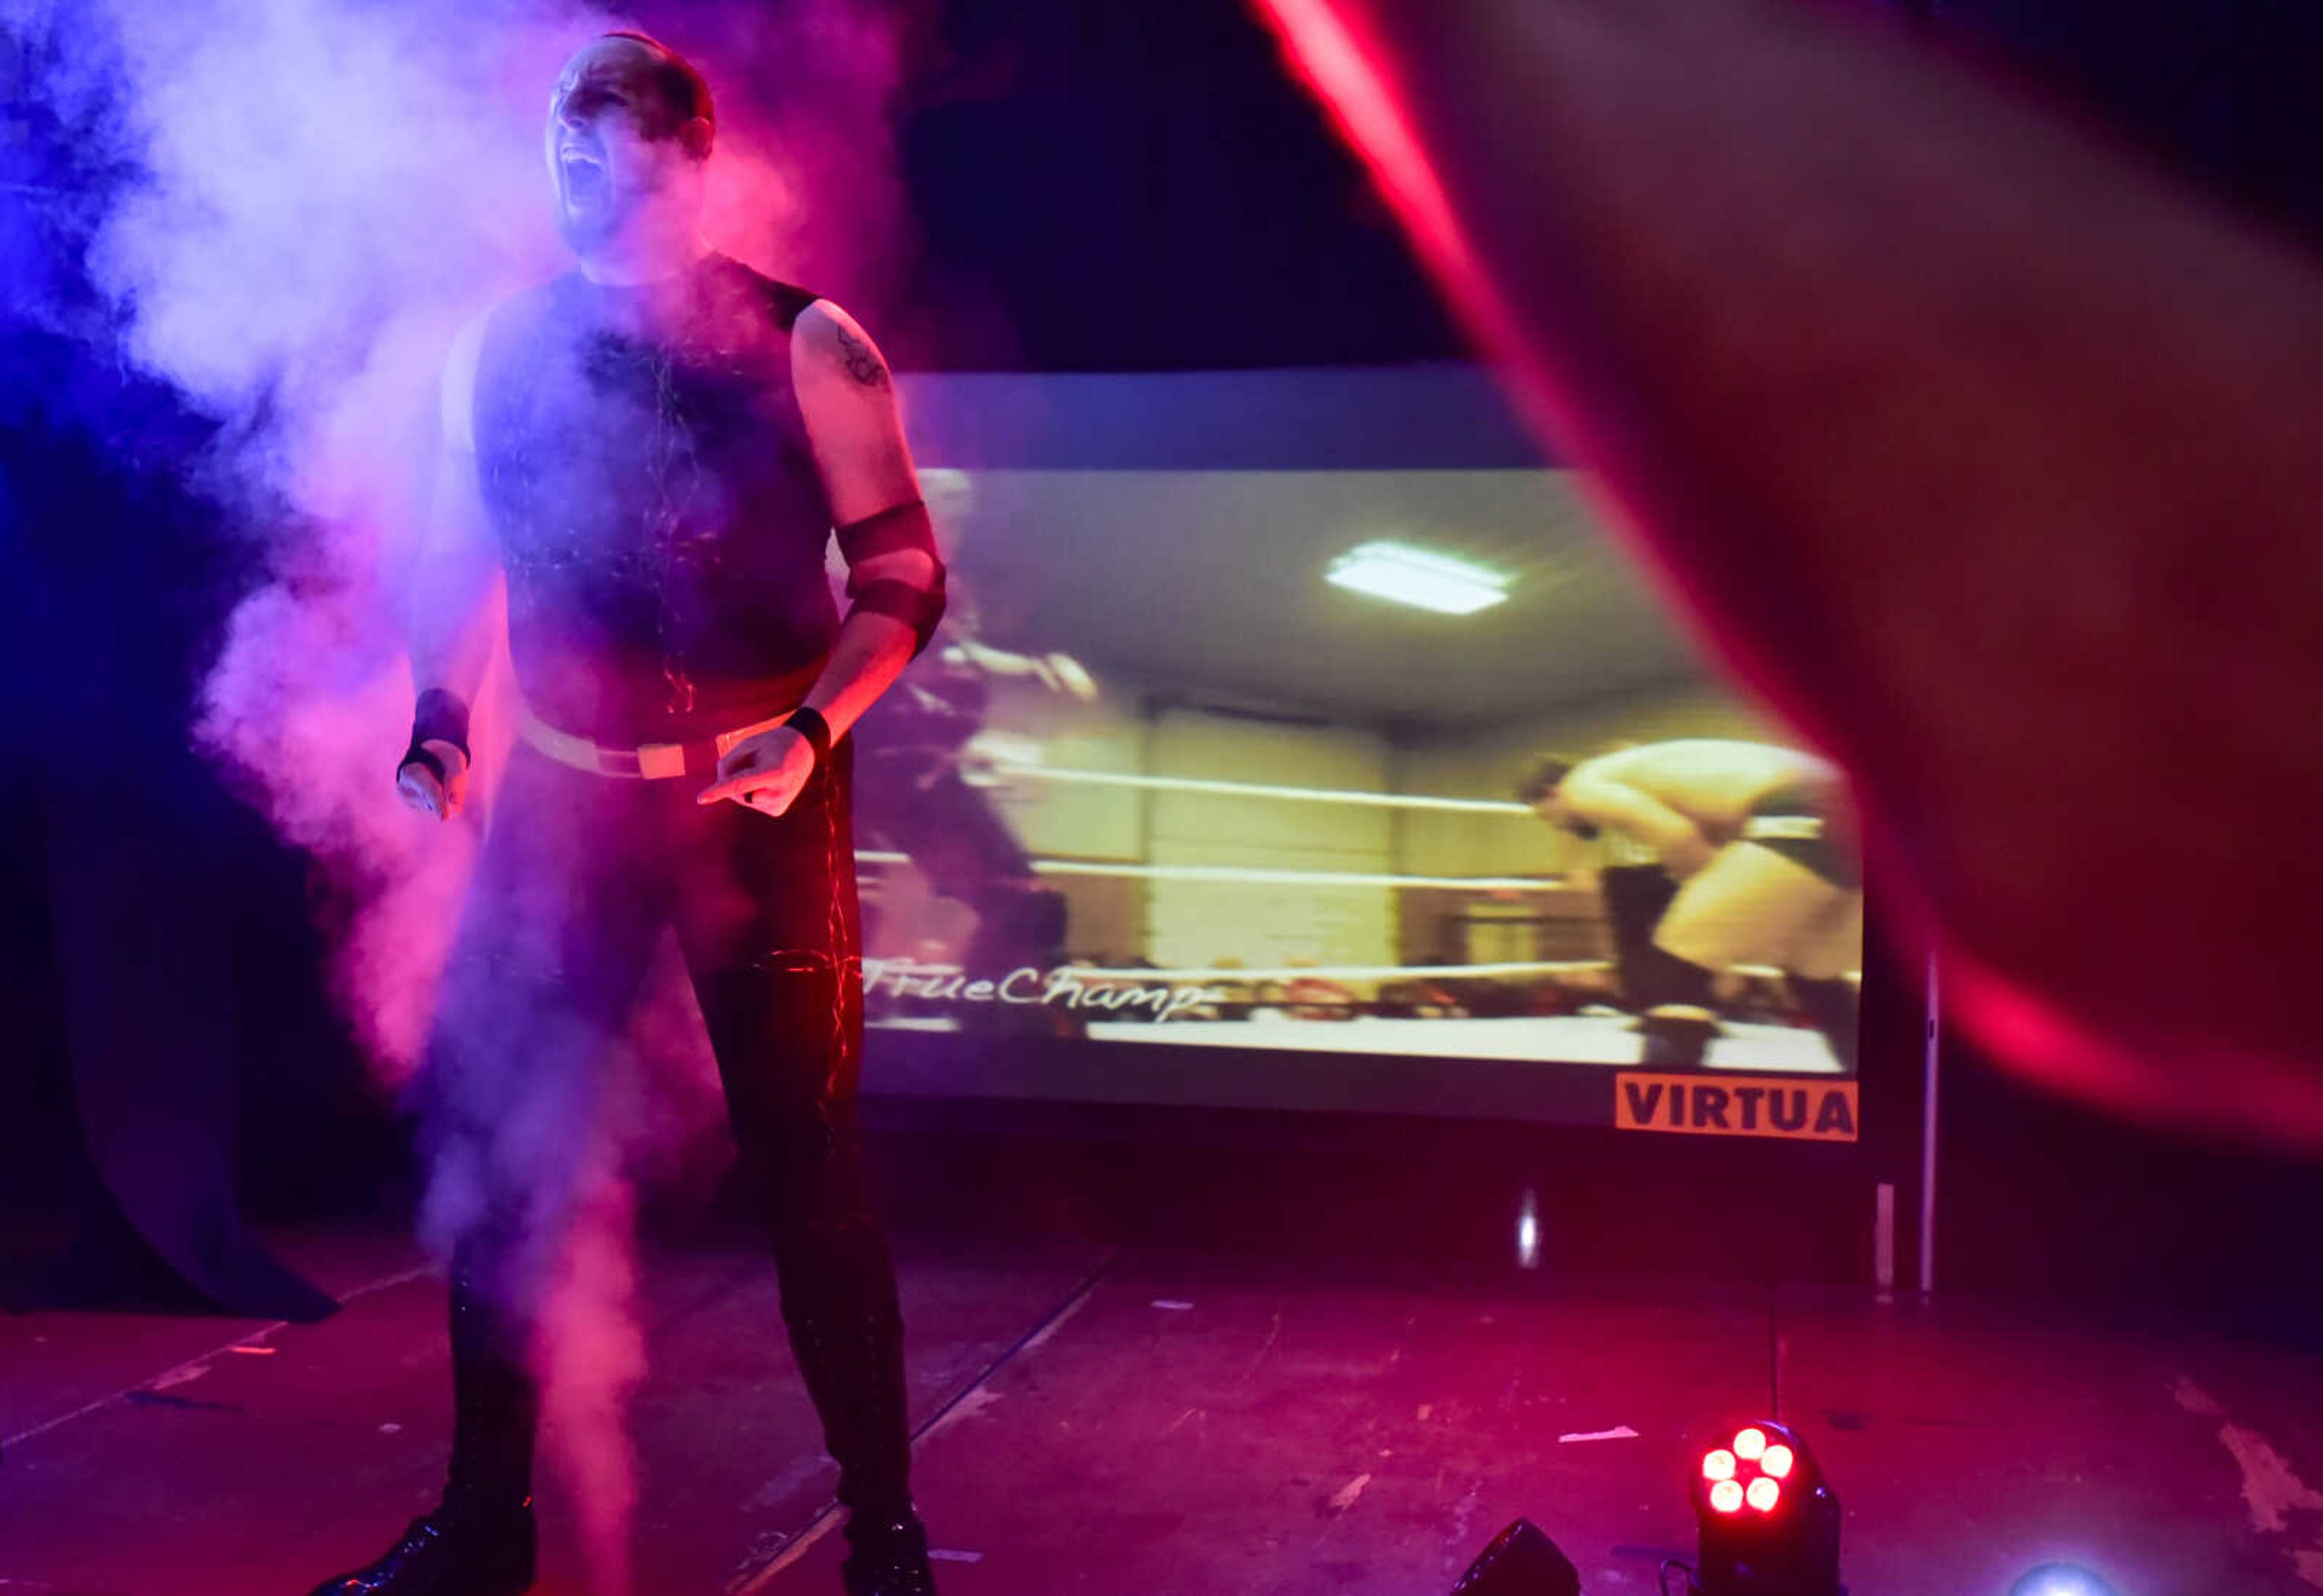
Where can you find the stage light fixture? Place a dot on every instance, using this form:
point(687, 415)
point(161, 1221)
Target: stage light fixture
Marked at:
point(1521, 1561)
point(1769, 1519)
point(2059, 1579)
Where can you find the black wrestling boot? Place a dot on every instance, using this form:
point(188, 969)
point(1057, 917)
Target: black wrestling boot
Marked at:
point(888, 1556)
point(1831, 1008)
point(452, 1552)
point(482, 1540)
point(1677, 1036)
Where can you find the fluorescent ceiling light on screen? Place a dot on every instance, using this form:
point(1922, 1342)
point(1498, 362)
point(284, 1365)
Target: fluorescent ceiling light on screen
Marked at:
point(1407, 575)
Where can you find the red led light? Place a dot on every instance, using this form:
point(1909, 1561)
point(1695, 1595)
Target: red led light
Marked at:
point(1777, 1461)
point(1763, 1494)
point(1726, 1496)
point(1750, 1444)
point(1717, 1466)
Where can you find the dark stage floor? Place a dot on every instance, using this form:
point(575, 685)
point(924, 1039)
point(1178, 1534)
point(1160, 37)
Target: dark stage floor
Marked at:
point(1095, 1419)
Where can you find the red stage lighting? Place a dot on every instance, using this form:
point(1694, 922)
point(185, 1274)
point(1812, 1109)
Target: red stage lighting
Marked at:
point(1787, 1541)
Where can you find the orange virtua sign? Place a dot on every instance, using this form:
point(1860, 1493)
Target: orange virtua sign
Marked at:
point(1808, 1110)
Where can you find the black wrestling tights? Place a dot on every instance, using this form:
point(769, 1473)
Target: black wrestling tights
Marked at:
point(558, 936)
point(838, 1303)
point(495, 1401)
point(846, 1331)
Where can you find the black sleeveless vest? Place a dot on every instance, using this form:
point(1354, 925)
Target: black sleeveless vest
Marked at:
point(660, 517)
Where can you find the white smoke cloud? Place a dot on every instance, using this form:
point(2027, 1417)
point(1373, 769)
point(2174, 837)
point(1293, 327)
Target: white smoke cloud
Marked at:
point(325, 193)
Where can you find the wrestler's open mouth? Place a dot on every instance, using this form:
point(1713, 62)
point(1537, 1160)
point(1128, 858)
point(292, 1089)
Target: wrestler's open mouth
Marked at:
point(586, 186)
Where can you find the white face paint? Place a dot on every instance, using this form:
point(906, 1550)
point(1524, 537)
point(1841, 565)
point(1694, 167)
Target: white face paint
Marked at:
point(612, 145)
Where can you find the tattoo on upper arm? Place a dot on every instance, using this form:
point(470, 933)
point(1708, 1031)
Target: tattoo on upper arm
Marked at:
point(863, 361)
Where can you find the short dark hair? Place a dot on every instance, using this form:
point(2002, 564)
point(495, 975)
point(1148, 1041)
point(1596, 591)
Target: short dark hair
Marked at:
point(1542, 779)
point(685, 91)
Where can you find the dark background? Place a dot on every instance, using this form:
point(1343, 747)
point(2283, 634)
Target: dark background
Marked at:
point(1095, 187)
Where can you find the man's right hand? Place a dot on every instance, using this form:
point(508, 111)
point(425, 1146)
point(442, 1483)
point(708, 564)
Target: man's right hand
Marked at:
point(423, 791)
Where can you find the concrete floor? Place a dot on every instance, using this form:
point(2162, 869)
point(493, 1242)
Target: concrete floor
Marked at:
point(1094, 1419)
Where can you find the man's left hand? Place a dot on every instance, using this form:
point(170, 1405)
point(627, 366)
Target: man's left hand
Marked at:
point(766, 772)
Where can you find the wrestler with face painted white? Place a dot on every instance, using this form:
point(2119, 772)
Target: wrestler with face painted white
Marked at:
point(653, 450)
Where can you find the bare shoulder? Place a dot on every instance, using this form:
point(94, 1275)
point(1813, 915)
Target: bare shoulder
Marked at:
point(827, 342)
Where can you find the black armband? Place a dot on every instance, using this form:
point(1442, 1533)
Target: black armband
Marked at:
point(808, 722)
point(442, 717)
point(917, 608)
point(893, 530)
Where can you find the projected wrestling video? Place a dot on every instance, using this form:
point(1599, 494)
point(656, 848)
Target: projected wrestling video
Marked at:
point(1349, 773)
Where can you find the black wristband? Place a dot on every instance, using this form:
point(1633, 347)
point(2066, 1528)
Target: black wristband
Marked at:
point(442, 717)
point(810, 724)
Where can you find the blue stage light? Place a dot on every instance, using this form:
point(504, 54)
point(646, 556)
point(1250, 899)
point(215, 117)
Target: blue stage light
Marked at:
point(2059, 1579)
